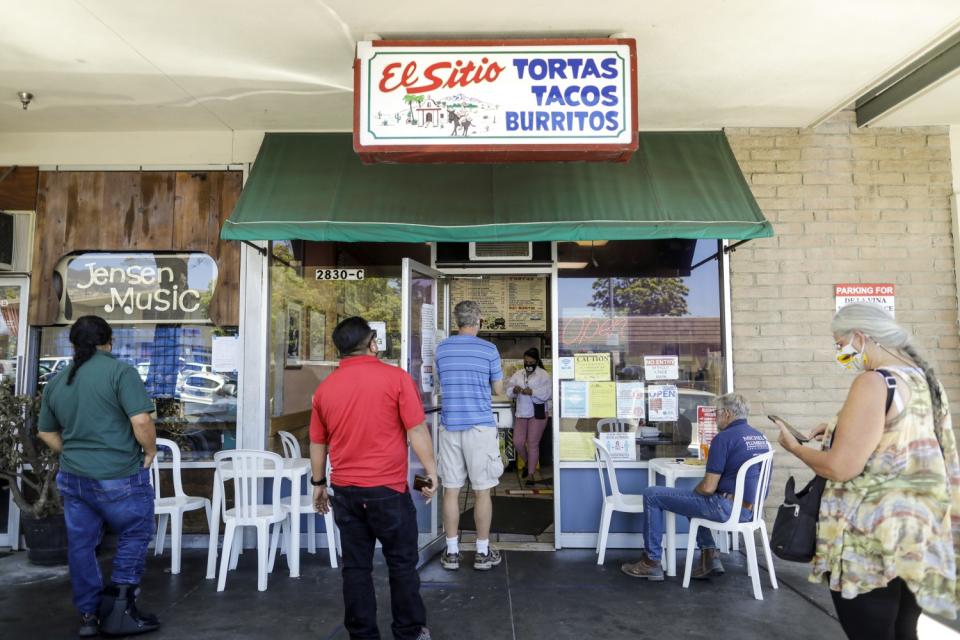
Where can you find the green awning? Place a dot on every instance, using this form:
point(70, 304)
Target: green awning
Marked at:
point(312, 186)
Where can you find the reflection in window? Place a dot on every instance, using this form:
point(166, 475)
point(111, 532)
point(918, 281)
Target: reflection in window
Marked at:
point(644, 299)
point(196, 406)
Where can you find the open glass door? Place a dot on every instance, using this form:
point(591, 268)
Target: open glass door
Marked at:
point(13, 343)
point(424, 325)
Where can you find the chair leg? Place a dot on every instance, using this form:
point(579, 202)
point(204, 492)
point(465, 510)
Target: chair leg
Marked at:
point(768, 555)
point(237, 547)
point(752, 564)
point(604, 532)
point(691, 549)
point(312, 532)
point(162, 520)
point(209, 510)
point(263, 551)
point(275, 538)
point(736, 540)
point(176, 540)
point(226, 553)
point(332, 549)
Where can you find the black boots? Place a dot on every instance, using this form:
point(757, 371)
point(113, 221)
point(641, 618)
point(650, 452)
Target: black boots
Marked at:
point(119, 615)
point(89, 626)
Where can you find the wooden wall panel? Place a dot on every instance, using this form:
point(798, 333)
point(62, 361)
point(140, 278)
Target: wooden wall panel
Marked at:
point(18, 191)
point(135, 211)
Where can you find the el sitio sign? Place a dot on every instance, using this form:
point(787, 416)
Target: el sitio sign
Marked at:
point(496, 101)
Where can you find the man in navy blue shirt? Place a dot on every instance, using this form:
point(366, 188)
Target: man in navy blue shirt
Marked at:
point(736, 443)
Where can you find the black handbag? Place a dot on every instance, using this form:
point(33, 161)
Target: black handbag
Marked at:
point(539, 411)
point(794, 535)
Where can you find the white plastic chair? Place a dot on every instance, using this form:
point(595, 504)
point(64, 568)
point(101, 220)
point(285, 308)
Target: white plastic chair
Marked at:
point(171, 508)
point(291, 449)
point(246, 469)
point(616, 501)
point(613, 425)
point(736, 527)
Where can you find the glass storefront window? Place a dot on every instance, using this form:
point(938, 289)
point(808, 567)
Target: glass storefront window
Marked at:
point(355, 279)
point(658, 321)
point(196, 406)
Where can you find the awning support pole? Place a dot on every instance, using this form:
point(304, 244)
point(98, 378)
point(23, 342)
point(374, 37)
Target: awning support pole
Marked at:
point(728, 249)
point(261, 250)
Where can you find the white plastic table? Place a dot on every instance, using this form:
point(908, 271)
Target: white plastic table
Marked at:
point(293, 470)
point(670, 469)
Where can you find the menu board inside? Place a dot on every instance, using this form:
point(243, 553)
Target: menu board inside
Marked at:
point(508, 303)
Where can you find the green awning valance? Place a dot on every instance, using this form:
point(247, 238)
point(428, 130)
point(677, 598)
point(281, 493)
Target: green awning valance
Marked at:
point(312, 186)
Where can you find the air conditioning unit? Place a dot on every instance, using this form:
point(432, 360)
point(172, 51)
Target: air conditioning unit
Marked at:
point(16, 241)
point(501, 251)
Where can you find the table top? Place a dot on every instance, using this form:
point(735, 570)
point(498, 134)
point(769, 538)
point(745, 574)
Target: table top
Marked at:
point(670, 466)
point(290, 465)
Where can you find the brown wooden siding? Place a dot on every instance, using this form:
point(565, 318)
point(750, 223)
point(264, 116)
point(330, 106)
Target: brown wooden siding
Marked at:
point(135, 211)
point(18, 191)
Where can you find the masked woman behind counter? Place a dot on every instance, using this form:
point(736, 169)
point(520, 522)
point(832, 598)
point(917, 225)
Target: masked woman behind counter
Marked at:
point(532, 389)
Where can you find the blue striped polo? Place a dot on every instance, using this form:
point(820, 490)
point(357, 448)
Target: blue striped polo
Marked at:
point(467, 365)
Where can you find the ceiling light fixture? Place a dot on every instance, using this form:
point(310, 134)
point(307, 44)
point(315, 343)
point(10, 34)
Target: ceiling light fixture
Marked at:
point(25, 98)
point(592, 243)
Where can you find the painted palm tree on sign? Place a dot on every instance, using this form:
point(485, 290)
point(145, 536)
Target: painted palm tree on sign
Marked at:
point(410, 99)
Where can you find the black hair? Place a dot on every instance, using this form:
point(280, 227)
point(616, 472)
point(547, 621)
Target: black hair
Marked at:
point(534, 353)
point(86, 334)
point(351, 335)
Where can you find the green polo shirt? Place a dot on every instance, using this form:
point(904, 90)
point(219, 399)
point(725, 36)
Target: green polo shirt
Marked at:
point(93, 414)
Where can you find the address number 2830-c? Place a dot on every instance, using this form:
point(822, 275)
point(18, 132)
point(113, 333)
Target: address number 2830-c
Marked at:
point(339, 274)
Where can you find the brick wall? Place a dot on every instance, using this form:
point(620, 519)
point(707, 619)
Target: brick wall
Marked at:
point(847, 205)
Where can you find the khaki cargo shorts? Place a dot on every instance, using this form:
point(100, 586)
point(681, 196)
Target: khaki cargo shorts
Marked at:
point(473, 453)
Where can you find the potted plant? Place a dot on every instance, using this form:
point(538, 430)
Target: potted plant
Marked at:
point(30, 470)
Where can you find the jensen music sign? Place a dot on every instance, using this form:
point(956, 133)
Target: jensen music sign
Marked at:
point(131, 288)
point(503, 100)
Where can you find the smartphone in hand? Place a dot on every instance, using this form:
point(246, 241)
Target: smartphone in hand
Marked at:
point(796, 434)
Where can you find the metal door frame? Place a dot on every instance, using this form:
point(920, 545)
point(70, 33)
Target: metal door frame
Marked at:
point(12, 537)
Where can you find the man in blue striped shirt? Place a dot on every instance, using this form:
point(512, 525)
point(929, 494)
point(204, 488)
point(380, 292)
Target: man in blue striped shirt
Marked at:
point(469, 369)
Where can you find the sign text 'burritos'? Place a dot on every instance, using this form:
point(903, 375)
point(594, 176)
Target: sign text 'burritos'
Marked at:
point(490, 101)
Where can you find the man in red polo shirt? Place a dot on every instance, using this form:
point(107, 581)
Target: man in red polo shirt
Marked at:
point(365, 412)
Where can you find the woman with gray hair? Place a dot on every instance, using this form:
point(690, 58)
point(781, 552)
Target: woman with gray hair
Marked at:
point(888, 538)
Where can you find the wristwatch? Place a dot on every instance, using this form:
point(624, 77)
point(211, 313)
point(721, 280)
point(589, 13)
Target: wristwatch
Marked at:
point(322, 482)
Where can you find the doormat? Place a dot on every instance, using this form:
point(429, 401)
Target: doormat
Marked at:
point(524, 516)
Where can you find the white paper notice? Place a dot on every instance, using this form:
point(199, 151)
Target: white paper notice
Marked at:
point(661, 367)
point(573, 399)
point(381, 329)
point(664, 406)
point(565, 368)
point(630, 401)
point(428, 334)
point(225, 354)
point(622, 446)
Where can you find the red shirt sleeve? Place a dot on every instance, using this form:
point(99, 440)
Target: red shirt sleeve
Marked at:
point(318, 430)
point(409, 403)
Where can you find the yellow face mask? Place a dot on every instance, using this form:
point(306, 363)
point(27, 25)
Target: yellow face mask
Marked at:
point(849, 357)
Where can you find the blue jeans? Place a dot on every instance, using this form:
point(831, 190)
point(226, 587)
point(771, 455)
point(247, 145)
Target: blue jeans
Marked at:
point(125, 505)
point(683, 502)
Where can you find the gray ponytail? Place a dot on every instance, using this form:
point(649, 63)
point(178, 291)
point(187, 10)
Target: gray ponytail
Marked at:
point(884, 330)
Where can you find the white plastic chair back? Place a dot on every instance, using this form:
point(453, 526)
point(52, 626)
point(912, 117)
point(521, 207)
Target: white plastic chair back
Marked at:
point(605, 461)
point(765, 461)
point(291, 446)
point(247, 468)
point(175, 464)
point(613, 425)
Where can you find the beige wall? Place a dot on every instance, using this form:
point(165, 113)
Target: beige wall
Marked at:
point(847, 205)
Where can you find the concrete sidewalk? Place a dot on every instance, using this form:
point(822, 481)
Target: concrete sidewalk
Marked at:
point(532, 595)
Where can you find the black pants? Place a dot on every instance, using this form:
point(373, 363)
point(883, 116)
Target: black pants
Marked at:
point(365, 515)
point(889, 613)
